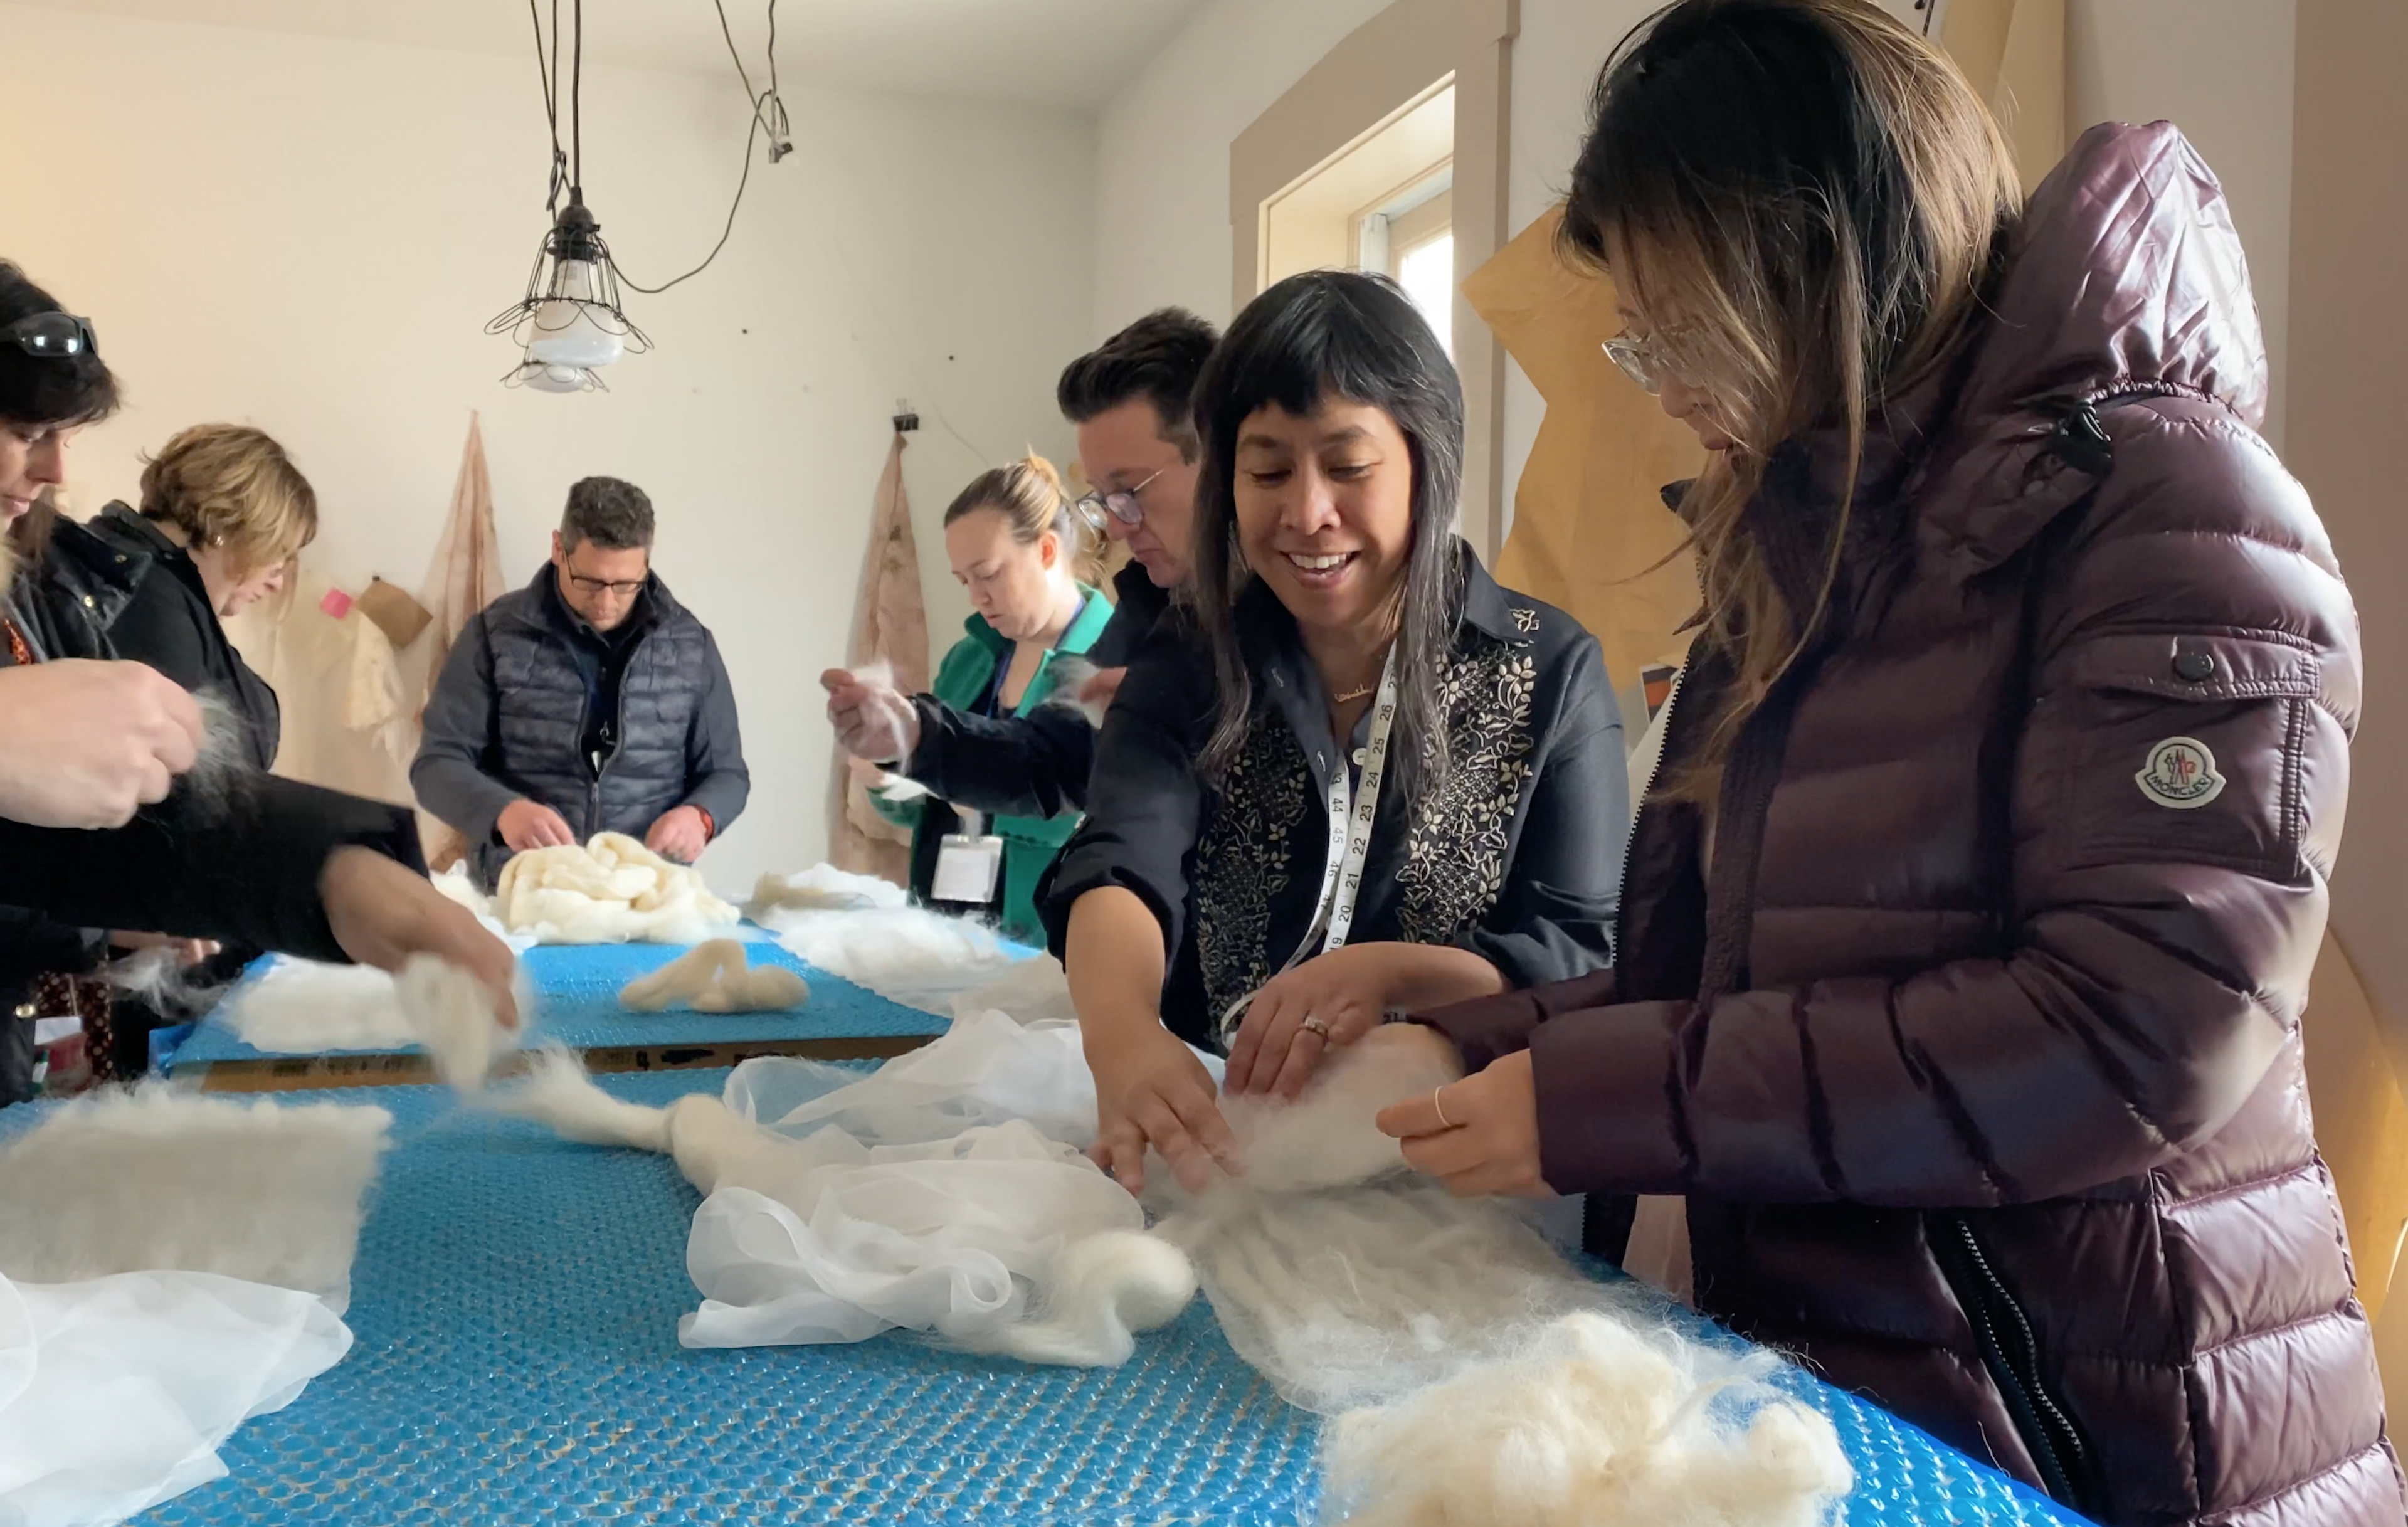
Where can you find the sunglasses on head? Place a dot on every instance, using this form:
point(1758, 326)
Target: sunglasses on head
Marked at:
point(53, 336)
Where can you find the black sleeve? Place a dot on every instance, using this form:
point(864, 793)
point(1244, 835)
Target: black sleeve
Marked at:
point(1035, 765)
point(1555, 920)
point(30, 945)
point(1145, 804)
point(239, 865)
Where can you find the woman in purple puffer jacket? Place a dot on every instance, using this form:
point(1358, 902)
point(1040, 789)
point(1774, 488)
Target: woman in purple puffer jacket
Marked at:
point(1966, 929)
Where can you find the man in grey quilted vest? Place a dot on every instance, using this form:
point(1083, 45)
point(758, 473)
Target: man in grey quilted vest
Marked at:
point(588, 701)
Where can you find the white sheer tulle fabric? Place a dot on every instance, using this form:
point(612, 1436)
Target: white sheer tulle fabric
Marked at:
point(115, 1393)
point(610, 890)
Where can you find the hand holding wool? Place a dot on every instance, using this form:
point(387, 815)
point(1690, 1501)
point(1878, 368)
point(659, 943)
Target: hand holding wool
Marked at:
point(1479, 1135)
point(873, 719)
point(1275, 1050)
point(1152, 1091)
point(382, 912)
point(90, 743)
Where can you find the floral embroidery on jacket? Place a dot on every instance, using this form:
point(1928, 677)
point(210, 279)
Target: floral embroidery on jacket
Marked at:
point(1455, 848)
point(1242, 862)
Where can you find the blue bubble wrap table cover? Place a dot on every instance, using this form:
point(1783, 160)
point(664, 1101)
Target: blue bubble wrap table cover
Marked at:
point(577, 992)
point(516, 1299)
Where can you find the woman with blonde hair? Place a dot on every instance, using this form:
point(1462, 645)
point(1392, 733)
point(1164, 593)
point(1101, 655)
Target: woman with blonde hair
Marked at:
point(225, 511)
point(1968, 925)
point(1015, 549)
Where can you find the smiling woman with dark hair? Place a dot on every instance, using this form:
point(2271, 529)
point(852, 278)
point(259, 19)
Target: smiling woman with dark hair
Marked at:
point(1358, 777)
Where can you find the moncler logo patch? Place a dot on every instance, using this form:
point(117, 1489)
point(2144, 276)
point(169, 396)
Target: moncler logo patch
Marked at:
point(2181, 775)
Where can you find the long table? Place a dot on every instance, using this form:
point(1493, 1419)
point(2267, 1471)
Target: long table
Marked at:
point(577, 998)
point(516, 1299)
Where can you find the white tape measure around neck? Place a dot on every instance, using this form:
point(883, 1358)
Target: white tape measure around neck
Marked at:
point(1351, 816)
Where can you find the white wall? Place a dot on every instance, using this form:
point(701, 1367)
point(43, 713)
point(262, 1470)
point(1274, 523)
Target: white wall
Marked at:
point(2221, 70)
point(1162, 161)
point(309, 233)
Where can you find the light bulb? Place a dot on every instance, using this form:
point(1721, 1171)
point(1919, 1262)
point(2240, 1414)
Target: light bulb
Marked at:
point(566, 332)
point(557, 379)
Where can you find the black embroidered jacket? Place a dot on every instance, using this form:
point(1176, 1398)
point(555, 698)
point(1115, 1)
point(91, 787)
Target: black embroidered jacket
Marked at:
point(1514, 855)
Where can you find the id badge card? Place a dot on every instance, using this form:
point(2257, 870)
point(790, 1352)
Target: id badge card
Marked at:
point(969, 869)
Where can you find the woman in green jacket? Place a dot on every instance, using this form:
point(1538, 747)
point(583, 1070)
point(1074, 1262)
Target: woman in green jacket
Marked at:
point(1014, 546)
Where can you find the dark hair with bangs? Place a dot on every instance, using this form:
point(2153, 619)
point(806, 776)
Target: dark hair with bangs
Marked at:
point(1323, 335)
point(47, 392)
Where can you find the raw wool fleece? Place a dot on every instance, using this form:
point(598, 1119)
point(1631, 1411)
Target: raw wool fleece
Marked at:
point(149, 1179)
point(823, 887)
point(115, 1394)
point(906, 955)
point(1593, 1421)
point(611, 890)
point(713, 977)
point(303, 1007)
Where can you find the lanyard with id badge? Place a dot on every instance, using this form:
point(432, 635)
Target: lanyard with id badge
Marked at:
point(969, 867)
point(1349, 842)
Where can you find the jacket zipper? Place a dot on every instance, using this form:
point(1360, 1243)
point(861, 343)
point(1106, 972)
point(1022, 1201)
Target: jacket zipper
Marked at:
point(2011, 1355)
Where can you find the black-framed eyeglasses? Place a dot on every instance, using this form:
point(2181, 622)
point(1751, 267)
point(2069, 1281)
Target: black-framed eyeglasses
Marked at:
point(621, 586)
point(53, 336)
point(1121, 504)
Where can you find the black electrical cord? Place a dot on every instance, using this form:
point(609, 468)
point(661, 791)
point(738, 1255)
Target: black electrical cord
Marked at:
point(576, 105)
point(751, 135)
point(548, 75)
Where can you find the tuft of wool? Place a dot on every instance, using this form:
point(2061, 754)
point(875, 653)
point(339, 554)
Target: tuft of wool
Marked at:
point(303, 1007)
point(1096, 1298)
point(149, 1179)
point(612, 889)
point(907, 955)
point(713, 977)
point(450, 1013)
point(1071, 676)
point(1592, 1420)
point(823, 887)
point(555, 1092)
point(1326, 1138)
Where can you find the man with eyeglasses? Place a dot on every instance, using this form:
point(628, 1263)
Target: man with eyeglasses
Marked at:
point(589, 701)
point(1129, 400)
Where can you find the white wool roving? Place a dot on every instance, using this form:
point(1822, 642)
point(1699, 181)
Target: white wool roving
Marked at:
point(1344, 1279)
point(1593, 1421)
point(907, 955)
point(116, 1393)
point(556, 1092)
point(823, 887)
point(1098, 1296)
point(303, 1007)
point(713, 977)
point(610, 890)
point(149, 1179)
point(450, 1013)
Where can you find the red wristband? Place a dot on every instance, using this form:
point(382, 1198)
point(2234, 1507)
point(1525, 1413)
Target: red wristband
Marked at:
point(709, 828)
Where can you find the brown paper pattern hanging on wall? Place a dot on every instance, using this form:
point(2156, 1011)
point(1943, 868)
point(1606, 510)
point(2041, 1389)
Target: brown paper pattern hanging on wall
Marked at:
point(1590, 531)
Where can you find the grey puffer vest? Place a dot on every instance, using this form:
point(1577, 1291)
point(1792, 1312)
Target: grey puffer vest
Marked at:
point(544, 660)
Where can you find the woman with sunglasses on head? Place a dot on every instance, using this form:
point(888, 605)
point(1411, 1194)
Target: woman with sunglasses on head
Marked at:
point(1015, 548)
point(99, 824)
point(1359, 777)
point(1969, 923)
